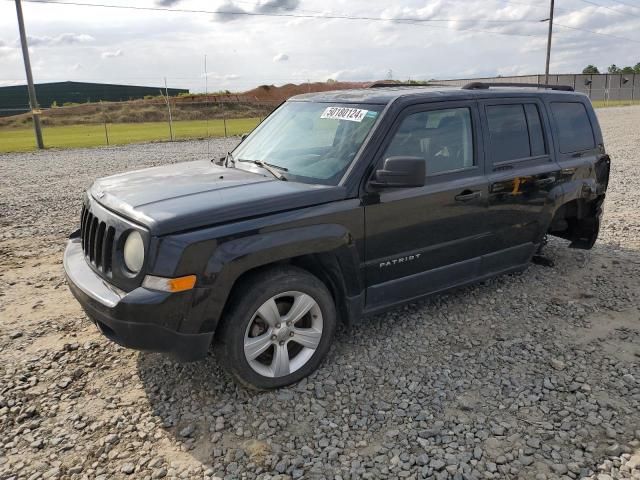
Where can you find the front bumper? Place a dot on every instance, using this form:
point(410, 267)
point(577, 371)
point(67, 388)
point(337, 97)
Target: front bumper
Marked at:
point(142, 319)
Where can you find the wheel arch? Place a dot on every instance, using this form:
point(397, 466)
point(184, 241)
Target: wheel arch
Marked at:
point(578, 220)
point(326, 251)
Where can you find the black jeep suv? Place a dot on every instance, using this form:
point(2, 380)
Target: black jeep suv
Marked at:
point(339, 204)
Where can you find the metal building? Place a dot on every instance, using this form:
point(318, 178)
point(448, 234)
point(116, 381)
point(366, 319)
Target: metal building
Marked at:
point(601, 86)
point(15, 99)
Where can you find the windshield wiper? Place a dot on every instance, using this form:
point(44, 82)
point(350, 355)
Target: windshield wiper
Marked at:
point(268, 167)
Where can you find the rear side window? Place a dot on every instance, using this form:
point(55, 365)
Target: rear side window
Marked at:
point(536, 137)
point(508, 131)
point(575, 133)
point(515, 131)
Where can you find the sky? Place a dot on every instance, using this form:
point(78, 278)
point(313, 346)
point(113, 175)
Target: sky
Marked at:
point(254, 42)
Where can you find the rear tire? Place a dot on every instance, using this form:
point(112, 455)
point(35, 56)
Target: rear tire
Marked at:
point(277, 329)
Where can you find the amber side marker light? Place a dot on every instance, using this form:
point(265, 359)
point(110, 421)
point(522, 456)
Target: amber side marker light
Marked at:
point(172, 285)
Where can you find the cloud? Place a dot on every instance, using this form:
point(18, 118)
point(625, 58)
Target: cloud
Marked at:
point(115, 53)
point(281, 57)
point(59, 40)
point(429, 11)
point(72, 38)
point(228, 12)
point(359, 74)
point(317, 48)
point(220, 76)
point(274, 6)
point(5, 49)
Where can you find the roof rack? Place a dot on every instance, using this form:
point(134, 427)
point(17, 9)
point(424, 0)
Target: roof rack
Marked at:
point(391, 85)
point(485, 86)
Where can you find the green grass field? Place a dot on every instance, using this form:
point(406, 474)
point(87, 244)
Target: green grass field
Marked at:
point(74, 136)
point(614, 103)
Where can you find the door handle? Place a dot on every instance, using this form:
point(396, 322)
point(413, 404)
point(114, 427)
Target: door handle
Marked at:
point(545, 181)
point(467, 195)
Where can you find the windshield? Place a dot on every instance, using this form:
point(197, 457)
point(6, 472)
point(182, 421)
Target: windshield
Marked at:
point(310, 142)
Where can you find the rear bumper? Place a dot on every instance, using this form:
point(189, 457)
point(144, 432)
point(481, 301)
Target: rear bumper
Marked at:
point(141, 319)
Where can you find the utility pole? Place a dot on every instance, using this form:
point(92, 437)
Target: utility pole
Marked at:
point(166, 99)
point(546, 69)
point(33, 102)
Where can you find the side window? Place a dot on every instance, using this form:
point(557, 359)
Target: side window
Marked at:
point(508, 132)
point(515, 131)
point(442, 137)
point(574, 128)
point(536, 137)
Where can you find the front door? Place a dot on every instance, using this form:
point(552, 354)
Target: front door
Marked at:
point(421, 240)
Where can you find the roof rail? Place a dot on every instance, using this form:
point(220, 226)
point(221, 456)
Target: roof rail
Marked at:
point(485, 86)
point(391, 85)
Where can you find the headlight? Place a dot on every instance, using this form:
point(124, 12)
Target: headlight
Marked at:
point(134, 252)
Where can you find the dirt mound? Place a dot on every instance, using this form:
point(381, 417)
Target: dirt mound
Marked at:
point(148, 110)
point(257, 102)
point(271, 93)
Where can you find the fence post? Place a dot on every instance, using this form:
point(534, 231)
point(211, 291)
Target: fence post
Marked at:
point(104, 120)
point(224, 119)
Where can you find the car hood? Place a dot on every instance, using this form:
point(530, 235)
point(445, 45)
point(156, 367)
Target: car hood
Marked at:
point(188, 195)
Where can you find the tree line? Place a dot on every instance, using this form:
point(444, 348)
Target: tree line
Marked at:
point(590, 69)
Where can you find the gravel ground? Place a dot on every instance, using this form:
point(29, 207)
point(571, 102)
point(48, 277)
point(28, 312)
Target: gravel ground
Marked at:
point(534, 375)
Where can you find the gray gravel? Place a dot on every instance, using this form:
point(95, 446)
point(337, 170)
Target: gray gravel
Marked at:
point(535, 375)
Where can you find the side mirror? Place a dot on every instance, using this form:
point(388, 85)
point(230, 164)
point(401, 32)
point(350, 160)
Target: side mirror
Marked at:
point(401, 172)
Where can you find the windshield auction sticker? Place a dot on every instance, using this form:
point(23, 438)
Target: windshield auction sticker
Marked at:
point(343, 113)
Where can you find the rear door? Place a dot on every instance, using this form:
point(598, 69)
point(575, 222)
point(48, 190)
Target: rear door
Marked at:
point(420, 240)
point(521, 169)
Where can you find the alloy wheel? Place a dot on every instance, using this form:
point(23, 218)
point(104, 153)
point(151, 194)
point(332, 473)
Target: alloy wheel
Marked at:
point(283, 334)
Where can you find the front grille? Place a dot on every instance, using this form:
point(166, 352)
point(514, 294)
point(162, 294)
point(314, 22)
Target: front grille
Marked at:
point(97, 241)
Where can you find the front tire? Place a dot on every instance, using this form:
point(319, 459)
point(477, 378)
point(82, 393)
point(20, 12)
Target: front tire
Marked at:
point(277, 329)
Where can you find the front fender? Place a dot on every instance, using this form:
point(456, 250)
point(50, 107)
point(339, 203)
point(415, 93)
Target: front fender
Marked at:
point(235, 257)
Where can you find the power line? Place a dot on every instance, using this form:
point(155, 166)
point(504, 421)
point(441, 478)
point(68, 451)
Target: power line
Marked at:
point(598, 5)
point(273, 14)
point(557, 9)
point(510, 34)
point(597, 33)
point(627, 4)
point(404, 21)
